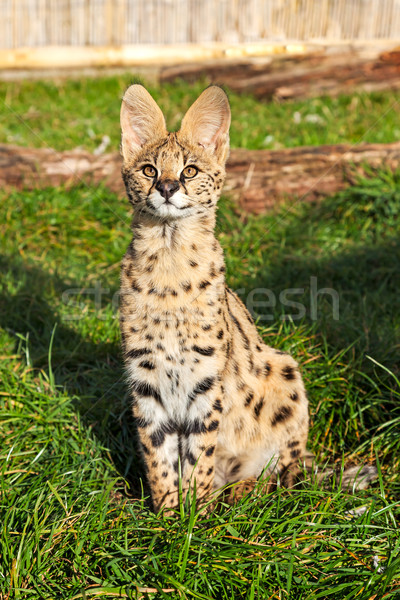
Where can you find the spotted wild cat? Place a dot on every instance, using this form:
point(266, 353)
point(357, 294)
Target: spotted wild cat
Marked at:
point(211, 401)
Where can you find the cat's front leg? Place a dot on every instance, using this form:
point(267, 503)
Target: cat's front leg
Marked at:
point(184, 448)
point(197, 449)
point(159, 443)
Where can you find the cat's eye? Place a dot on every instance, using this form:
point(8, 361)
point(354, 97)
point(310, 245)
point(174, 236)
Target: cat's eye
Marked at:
point(149, 171)
point(190, 172)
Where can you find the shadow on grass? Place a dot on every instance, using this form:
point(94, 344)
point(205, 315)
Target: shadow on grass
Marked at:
point(361, 285)
point(90, 372)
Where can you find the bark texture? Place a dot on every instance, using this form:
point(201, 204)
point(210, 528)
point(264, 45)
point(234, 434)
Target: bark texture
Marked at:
point(257, 179)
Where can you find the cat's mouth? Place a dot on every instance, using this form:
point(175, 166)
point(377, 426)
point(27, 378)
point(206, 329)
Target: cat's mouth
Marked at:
point(177, 206)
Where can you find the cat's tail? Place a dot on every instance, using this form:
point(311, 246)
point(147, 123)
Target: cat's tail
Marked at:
point(351, 477)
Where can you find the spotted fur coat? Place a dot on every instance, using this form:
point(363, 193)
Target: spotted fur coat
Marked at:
point(213, 404)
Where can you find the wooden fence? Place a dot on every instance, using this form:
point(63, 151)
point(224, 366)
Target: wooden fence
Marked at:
point(33, 23)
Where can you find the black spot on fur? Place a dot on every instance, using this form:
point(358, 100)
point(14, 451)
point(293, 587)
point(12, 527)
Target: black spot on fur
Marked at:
point(288, 373)
point(209, 351)
point(249, 399)
point(193, 263)
point(210, 451)
point(212, 269)
point(137, 352)
point(294, 396)
point(193, 428)
point(213, 425)
point(217, 405)
point(135, 286)
point(245, 339)
point(190, 458)
point(235, 469)
point(293, 444)
point(186, 286)
point(146, 364)
point(164, 474)
point(157, 437)
point(210, 470)
point(206, 327)
point(258, 407)
point(202, 387)
point(281, 415)
point(220, 334)
point(295, 453)
point(203, 284)
point(145, 389)
point(267, 369)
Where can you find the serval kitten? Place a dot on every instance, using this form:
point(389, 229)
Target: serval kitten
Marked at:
point(212, 403)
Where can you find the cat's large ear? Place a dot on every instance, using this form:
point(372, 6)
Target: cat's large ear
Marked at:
point(141, 120)
point(207, 121)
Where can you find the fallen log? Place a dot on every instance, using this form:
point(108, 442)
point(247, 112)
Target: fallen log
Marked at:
point(31, 168)
point(256, 179)
point(260, 179)
point(299, 76)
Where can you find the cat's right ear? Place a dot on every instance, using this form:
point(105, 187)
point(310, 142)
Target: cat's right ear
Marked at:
point(207, 122)
point(141, 120)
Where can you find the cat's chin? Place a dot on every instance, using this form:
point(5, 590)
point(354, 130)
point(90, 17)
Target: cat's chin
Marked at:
point(171, 212)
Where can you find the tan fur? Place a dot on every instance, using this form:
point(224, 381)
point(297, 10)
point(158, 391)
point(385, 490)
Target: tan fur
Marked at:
point(212, 402)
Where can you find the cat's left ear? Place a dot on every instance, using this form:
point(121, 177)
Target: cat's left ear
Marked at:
point(207, 122)
point(141, 120)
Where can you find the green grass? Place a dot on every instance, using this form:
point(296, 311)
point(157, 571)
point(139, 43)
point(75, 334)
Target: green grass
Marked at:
point(80, 112)
point(73, 515)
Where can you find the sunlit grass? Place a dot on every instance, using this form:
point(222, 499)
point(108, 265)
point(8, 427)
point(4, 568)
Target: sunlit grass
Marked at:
point(71, 113)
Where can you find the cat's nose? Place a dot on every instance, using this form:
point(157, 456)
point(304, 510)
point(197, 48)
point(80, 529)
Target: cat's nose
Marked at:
point(167, 188)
